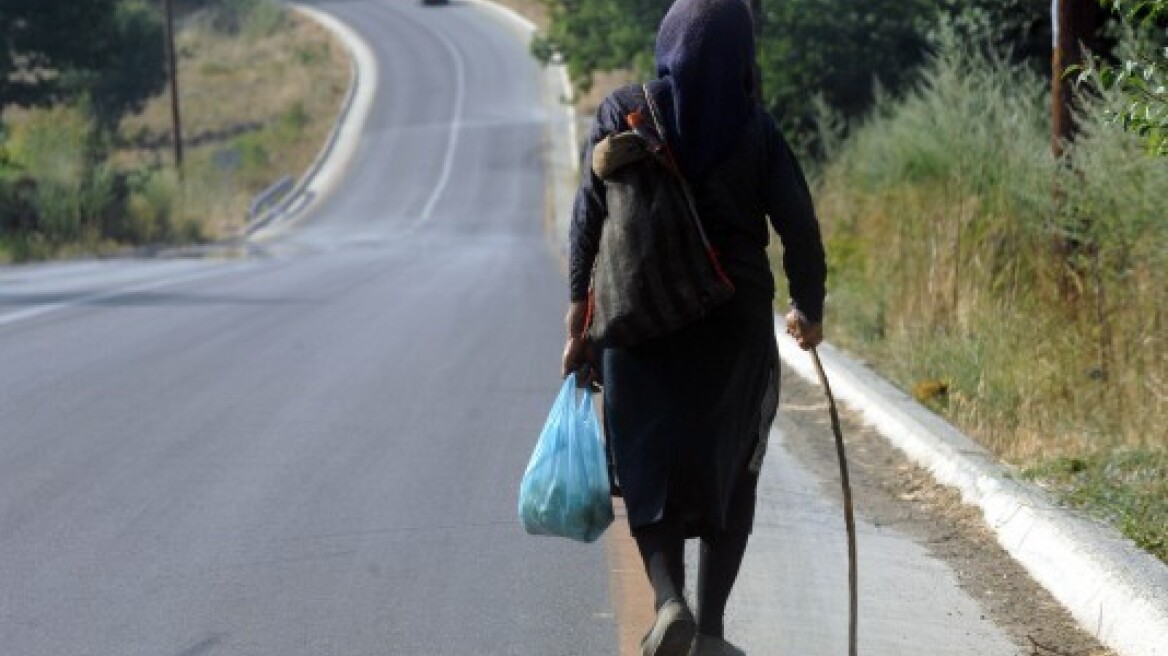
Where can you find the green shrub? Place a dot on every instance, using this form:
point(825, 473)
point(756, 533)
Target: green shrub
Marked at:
point(1129, 487)
point(294, 120)
point(253, 18)
point(254, 154)
point(57, 144)
point(310, 56)
point(66, 192)
point(960, 252)
point(153, 200)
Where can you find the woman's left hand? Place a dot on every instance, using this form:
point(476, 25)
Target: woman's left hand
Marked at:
point(808, 335)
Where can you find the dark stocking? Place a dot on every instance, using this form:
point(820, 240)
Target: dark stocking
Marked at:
point(662, 546)
point(718, 568)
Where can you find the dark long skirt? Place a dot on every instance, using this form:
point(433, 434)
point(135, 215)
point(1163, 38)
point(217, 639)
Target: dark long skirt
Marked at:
point(687, 417)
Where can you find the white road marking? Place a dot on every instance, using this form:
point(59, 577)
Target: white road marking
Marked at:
point(455, 131)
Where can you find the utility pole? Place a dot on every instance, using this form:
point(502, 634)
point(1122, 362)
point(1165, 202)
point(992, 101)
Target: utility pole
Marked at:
point(172, 69)
point(1074, 24)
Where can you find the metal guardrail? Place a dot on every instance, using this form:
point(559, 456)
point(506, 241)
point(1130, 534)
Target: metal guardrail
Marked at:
point(270, 196)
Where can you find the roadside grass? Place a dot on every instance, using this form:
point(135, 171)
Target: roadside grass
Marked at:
point(1120, 487)
point(260, 89)
point(1022, 300)
point(259, 97)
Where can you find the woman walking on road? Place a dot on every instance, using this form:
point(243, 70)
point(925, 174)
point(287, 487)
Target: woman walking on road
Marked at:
point(687, 414)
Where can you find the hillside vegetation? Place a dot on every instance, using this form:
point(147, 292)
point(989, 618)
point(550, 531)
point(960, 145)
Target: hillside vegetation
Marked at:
point(1022, 299)
point(260, 88)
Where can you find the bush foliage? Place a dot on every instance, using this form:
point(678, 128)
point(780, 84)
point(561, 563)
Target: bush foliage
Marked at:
point(108, 53)
point(1031, 291)
point(77, 177)
point(840, 52)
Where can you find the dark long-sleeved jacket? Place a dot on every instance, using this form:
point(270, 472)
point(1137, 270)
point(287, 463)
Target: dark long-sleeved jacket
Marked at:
point(759, 180)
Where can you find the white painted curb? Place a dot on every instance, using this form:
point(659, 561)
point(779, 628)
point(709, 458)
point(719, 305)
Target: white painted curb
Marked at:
point(1114, 590)
point(327, 170)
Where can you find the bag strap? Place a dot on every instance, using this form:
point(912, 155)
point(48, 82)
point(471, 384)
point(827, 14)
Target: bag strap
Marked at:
point(664, 155)
point(671, 164)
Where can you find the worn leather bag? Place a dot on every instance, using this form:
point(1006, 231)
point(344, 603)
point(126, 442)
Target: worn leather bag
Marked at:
point(655, 270)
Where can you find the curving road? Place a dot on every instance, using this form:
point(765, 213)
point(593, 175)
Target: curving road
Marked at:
point(315, 453)
point(315, 450)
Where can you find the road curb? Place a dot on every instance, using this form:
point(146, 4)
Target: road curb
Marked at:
point(330, 163)
point(1115, 591)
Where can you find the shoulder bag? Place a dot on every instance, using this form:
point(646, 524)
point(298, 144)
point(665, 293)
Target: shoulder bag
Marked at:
point(655, 269)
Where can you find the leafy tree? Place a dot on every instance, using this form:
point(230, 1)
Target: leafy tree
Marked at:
point(840, 50)
point(831, 47)
point(1019, 28)
point(838, 53)
point(600, 35)
point(108, 51)
point(1141, 75)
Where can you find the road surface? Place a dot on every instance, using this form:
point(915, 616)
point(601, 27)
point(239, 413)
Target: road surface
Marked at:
point(315, 450)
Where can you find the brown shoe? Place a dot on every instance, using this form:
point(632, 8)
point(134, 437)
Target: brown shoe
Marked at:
point(710, 646)
point(672, 633)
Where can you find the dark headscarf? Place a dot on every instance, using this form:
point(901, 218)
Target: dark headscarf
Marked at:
point(705, 85)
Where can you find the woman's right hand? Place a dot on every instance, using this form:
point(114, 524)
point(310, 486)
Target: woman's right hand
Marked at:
point(577, 355)
point(578, 349)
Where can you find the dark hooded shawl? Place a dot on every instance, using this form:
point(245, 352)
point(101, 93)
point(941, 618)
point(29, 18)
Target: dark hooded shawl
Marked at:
point(705, 79)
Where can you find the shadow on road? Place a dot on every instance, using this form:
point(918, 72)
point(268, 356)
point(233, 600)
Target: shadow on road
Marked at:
point(97, 298)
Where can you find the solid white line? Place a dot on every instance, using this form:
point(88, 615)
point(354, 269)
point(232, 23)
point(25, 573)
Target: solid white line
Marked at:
point(455, 130)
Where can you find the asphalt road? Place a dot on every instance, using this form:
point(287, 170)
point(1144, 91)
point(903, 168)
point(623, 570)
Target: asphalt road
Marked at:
point(315, 450)
point(314, 453)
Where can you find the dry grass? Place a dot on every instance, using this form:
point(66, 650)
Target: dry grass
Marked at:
point(962, 259)
point(255, 108)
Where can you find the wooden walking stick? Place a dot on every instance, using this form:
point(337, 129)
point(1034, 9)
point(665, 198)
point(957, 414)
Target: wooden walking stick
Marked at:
point(849, 515)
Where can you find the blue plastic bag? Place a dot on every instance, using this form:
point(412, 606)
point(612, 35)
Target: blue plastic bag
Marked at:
point(565, 488)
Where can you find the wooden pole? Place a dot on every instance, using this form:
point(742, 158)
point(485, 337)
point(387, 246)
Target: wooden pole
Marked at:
point(1073, 23)
point(757, 15)
point(172, 69)
point(1062, 47)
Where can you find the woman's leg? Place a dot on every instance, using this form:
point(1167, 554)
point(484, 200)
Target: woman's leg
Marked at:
point(721, 557)
point(662, 547)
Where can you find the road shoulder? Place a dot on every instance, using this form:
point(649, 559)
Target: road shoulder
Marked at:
point(894, 495)
point(1114, 590)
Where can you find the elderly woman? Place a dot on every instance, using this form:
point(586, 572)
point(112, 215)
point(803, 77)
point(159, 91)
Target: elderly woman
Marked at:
point(687, 414)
